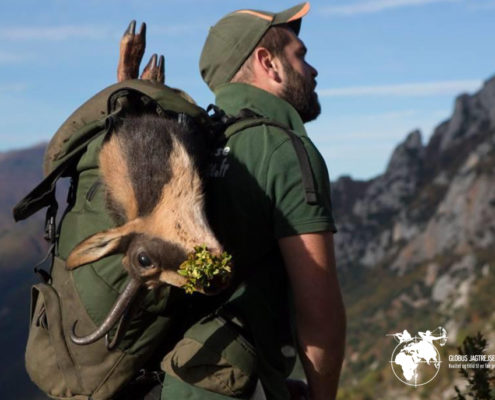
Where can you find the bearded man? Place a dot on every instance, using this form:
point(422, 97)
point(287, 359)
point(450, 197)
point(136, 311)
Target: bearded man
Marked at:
point(286, 298)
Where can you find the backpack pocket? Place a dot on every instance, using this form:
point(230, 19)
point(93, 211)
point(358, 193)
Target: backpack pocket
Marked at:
point(215, 356)
point(48, 361)
point(60, 368)
point(68, 371)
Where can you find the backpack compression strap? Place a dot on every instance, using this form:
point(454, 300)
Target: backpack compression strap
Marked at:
point(248, 119)
point(43, 195)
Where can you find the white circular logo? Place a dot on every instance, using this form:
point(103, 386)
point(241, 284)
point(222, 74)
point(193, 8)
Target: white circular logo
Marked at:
point(415, 360)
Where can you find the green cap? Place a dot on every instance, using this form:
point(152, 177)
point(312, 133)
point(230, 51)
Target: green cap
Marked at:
point(235, 36)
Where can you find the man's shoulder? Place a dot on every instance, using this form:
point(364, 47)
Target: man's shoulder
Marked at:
point(267, 138)
point(259, 132)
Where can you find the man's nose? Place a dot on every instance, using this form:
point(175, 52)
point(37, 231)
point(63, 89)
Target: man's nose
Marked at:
point(314, 72)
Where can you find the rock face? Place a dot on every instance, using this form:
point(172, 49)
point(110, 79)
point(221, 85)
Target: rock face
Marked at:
point(416, 248)
point(472, 114)
point(431, 199)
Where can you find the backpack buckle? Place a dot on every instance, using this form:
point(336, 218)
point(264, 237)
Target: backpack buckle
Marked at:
point(50, 224)
point(217, 115)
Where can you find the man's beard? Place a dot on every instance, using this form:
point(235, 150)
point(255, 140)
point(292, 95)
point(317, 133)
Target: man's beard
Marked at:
point(300, 93)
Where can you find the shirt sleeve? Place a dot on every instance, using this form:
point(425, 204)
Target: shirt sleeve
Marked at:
point(291, 214)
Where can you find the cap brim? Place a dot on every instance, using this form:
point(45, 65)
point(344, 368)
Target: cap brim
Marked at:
point(292, 16)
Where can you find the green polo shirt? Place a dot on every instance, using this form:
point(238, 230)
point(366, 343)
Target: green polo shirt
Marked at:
point(254, 197)
point(255, 188)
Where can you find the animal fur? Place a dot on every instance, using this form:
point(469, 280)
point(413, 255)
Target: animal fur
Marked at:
point(150, 169)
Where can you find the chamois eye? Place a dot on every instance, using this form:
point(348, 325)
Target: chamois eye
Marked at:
point(144, 260)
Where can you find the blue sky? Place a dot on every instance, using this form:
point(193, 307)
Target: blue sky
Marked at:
point(386, 67)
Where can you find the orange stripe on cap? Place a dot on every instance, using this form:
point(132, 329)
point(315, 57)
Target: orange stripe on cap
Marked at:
point(302, 12)
point(256, 14)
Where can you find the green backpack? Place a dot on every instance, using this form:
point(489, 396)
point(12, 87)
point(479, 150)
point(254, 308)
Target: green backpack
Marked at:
point(100, 370)
point(61, 368)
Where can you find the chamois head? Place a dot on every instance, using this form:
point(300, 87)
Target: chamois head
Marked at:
point(153, 188)
point(154, 191)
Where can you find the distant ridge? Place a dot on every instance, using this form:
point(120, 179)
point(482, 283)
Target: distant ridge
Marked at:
point(21, 247)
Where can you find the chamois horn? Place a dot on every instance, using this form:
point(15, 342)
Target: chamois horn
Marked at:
point(121, 306)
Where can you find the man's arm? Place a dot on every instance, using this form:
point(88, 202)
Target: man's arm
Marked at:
point(320, 315)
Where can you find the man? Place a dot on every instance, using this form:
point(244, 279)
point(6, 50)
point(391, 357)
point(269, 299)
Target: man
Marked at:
point(282, 245)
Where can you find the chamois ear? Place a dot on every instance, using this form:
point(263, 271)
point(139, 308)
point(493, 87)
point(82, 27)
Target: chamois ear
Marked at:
point(97, 246)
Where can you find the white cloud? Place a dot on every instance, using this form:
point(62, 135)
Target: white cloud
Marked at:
point(13, 87)
point(69, 32)
point(175, 30)
point(361, 144)
point(405, 89)
point(12, 58)
point(487, 5)
point(367, 130)
point(377, 5)
point(54, 33)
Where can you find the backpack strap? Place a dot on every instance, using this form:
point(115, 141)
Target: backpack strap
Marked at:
point(248, 119)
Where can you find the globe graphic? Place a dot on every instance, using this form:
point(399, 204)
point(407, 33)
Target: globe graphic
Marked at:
point(415, 362)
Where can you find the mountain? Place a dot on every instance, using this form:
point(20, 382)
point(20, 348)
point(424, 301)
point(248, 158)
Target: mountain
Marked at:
point(19, 172)
point(21, 247)
point(416, 249)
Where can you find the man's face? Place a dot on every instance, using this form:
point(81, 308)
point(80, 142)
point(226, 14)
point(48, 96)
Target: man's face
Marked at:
point(299, 80)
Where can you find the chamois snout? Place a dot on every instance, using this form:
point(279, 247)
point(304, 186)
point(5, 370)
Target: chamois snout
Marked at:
point(155, 261)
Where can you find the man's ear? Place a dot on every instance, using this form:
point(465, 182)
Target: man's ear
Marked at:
point(268, 64)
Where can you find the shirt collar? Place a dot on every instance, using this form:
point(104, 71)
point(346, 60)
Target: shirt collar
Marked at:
point(233, 97)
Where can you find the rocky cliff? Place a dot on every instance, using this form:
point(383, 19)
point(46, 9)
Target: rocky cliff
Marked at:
point(431, 199)
point(416, 246)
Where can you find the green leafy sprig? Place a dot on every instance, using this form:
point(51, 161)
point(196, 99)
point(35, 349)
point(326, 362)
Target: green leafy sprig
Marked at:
point(202, 268)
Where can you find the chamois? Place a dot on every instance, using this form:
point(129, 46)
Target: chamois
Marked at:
point(149, 165)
